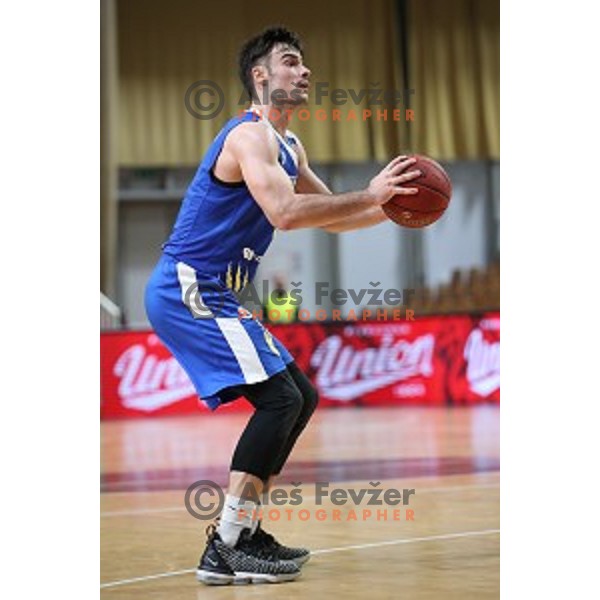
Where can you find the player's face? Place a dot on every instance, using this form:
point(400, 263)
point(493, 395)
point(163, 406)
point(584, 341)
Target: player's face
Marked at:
point(287, 72)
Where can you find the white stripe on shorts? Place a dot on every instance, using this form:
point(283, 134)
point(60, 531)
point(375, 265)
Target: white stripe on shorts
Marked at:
point(190, 294)
point(243, 348)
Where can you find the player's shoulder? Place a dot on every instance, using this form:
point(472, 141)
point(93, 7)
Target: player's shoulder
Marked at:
point(252, 133)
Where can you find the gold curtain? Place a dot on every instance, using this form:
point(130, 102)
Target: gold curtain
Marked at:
point(454, 68)
point(167, 46)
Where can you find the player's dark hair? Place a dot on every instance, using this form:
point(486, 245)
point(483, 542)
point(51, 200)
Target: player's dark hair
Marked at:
point(259, 47)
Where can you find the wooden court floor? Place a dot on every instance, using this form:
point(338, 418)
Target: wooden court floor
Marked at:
point(447, 548)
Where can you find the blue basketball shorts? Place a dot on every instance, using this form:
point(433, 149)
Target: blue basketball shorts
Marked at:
point(217, 342)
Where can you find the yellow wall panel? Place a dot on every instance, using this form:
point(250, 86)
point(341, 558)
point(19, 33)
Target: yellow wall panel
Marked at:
point(454, 67)
point(166, 46)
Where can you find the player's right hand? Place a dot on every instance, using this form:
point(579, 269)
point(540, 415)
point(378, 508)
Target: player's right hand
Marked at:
point(388, 183)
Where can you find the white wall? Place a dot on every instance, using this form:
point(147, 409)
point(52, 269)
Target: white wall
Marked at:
point(143, 227)
point(459, 238)
point(367, 255)
point(300, 257)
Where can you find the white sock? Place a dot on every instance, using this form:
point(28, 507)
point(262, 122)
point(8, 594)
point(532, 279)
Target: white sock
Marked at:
point(256, 521)
point(236, 516)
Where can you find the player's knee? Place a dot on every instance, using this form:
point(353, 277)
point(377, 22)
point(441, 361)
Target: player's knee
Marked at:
point(294, 403)
point(291, 405)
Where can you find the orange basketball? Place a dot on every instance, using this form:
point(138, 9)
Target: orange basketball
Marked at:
point(426, 207)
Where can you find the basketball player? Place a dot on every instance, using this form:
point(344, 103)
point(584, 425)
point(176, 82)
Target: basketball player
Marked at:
point(254, 178)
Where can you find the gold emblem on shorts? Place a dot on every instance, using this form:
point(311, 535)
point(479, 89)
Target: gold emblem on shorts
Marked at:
point(238, 281)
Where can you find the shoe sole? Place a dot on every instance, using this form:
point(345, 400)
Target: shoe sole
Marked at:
point(242, 578)
point(211, 578)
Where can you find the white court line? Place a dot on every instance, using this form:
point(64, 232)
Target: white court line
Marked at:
point(111, 584)
point(166, 509)
point(432, 538)
point(447, 536)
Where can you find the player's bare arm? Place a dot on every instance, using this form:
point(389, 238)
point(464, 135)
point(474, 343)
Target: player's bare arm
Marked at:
point(255, 149)
point(310, 183)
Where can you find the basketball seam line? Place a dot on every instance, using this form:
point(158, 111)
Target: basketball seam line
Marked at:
point(425, 212)
point(438, 168)
point(416, 210)
point(431, 189)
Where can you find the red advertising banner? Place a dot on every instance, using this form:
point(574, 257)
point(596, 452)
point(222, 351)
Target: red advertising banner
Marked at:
point(441, 360)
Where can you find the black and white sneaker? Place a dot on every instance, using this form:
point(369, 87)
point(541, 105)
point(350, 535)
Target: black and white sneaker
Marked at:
point(221, 565)
point(269, 546)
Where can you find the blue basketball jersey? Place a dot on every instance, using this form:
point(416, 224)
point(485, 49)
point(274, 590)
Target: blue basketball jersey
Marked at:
point(214, 250)
point(221, 231)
